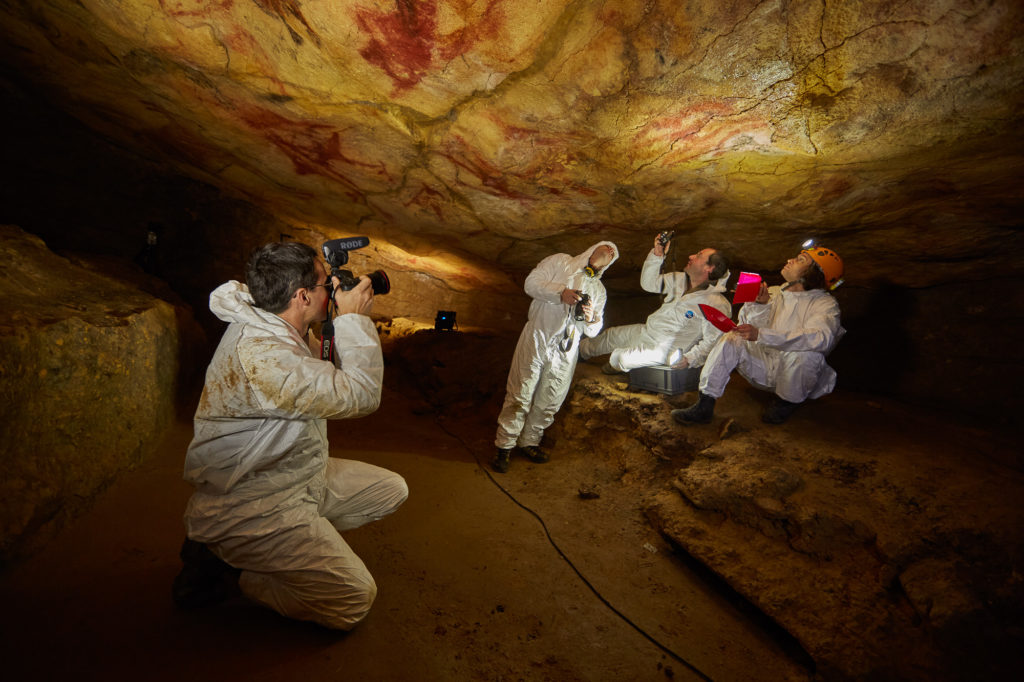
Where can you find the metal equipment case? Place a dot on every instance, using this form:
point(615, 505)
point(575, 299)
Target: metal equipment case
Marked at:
point(664, 379)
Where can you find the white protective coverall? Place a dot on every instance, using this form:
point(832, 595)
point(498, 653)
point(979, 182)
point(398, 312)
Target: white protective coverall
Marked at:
point(268, 500)
point(677, 325)
point(545, 357)
point(796, 330)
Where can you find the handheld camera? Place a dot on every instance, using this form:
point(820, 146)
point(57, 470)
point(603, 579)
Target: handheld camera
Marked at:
point(578, 313)
point(665, 237)
point(336, 253)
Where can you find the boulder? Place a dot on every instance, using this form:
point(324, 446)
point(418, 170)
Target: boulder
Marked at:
point(87, 386)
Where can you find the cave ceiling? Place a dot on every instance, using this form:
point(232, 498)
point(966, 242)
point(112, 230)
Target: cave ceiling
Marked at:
point(496, 132)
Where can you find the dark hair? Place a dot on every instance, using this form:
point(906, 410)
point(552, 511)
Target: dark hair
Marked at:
point(720, 266)
point(813, 277)
point(277, 270)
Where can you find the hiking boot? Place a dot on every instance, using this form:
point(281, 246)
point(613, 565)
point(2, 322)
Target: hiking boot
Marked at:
point(205, 579)
point(534, 453)
point(778, 411)
point(500, 461)
point(608, 369)
point(698, 413)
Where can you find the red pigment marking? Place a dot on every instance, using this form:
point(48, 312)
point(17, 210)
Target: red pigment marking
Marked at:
point(405, 43)
point(181, 8)
point(292, 7)
point(427, 197)
point(489, 176)
point(713, 137)
point(684, 124)
point(309, 147)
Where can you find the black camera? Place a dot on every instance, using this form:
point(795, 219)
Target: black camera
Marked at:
point(336, 253)
point(665, 237)
point(584, 300)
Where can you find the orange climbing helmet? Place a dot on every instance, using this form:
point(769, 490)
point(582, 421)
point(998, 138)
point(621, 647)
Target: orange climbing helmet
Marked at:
point(829, 262)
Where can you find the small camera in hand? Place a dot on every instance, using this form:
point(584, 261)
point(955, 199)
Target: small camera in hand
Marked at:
point(665, 237)
point(584, 300)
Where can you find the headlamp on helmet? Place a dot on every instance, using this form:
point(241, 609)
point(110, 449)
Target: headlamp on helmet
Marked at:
point(828, 260)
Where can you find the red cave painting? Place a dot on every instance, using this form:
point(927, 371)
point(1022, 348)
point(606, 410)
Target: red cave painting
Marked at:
point(312, 148)
point(406, 42)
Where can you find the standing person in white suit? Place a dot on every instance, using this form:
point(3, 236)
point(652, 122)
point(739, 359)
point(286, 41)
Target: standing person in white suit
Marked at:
point(677, 333)
point(269, 503)
point(545, 357)
point(781, 342)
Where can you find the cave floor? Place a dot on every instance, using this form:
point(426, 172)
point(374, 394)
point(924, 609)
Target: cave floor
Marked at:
point(470, 587)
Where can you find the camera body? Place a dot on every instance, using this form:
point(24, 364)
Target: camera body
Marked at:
point(665, 237)
point(578, 313)
point(336, 253)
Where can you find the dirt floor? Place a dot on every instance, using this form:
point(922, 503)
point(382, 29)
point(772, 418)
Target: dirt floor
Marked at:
point(480, 576)
point(548, 572)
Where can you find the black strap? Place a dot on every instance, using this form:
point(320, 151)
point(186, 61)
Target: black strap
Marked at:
point(327, 340)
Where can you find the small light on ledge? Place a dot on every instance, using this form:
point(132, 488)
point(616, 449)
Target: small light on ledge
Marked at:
point(445, 321)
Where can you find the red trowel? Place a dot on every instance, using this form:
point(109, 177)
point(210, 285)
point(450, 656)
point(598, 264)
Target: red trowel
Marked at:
point(717, 318)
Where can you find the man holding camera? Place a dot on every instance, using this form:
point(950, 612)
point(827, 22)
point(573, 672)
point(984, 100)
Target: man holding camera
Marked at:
point(568, 301)
point(269, 503)
point(677, 333)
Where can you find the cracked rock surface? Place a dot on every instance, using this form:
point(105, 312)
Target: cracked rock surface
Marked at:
point(494, 130)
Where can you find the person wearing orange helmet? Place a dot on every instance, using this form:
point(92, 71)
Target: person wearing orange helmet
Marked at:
point(781, 342)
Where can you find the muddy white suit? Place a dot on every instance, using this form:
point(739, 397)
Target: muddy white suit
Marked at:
point(796, 330)
point(268, 499)
point(678, 325)
point(545, 357)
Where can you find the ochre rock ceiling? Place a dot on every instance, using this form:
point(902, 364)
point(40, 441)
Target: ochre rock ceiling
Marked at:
point(469, 133)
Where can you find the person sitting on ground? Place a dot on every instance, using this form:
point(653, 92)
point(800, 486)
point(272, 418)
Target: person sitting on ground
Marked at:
point(781, 342)
point(677, 333)
point(568, 301)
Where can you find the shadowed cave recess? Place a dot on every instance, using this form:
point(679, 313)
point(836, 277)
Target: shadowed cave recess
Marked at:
point(151, 145)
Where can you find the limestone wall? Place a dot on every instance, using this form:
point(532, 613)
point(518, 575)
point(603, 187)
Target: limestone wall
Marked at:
point(87, 382)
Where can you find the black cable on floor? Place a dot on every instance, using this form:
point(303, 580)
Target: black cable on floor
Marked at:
point(558, 549)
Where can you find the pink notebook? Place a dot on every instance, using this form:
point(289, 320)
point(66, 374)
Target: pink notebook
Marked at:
point(747, 287)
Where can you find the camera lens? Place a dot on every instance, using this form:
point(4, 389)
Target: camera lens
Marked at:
point(380, 282)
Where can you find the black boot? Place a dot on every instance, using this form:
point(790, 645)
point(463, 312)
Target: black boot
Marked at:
point(534, 453)
point(205, 579)
point(500, 461)
point(778, 411)
point(698, 413)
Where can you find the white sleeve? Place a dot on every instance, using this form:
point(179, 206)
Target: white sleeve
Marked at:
point(547, 281)
point(710, 334)
point(819, 332)
point(288, 383)
point(651, 278)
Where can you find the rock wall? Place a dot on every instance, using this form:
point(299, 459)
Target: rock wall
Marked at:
point(87, 386)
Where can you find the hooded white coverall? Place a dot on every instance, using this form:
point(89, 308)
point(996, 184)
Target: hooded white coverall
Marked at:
point(796, 330)
point(678, 324)
point(545, 357)
point(268, 500)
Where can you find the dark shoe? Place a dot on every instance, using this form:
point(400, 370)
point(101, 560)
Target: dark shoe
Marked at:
point(500, 461)
point(205, 579)
point(778, 411)
point(698, 413)
point(608, 369)
point(534, 454)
